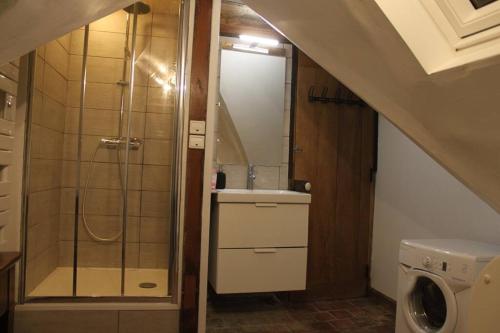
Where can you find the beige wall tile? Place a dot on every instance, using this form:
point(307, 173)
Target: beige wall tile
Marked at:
point(165, 25)
point(37, 107)
point(144, 24)
point(53, 114)
point(68, 178)
point(104, 175)
point(142, 68)
point(66, 253)
point(165, 6)
point(45, 174)
point(159, 126)
point(116, 22)
point(40, 51)
point(102, 226)
point(101, 44)
point(94, 254)
point(139, 101)
point(99, 69)
point(157, 152)
point(152, 255)
point(155, 204)
point(43, 205)
point(104, 122)
point(32, 235)
point(98, 95)
point(149, 321)
point(95, 122)
point(156, 178)
point(39, 72)
point(57, 57)
point(160, 101)
point(47, 235)
point(164, 50)
point(65, 41)
point(105, 96)
point(46, 143)
point(137, 128)
point(155, 230)
point(54, 84)
point(109, 70)
point(100, 202)
point(67, 200)
point(109, 202)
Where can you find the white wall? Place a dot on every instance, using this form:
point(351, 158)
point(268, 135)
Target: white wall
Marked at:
point(417, 198)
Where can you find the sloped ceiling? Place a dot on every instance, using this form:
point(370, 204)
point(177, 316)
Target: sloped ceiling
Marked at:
point(26, 24)
point(454, 116)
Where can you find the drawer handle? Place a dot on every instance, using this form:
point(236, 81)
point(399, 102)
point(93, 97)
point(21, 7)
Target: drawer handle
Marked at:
point(268, 250)
point(266, 204)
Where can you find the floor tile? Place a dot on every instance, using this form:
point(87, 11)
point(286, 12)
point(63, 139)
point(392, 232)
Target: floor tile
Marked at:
point(267, 313)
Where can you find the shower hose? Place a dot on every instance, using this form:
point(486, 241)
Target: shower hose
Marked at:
point(90, 171)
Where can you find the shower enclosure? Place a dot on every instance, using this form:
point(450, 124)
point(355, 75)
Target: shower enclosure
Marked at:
point(102, 158)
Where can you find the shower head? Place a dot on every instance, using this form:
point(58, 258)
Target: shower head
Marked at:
point(142, 8)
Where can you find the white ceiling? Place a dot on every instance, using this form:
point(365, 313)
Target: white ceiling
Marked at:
point(26, 24)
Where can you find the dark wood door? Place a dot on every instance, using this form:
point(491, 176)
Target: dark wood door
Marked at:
point(334, 149)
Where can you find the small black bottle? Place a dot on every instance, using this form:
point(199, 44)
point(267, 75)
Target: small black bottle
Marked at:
point(221, 179)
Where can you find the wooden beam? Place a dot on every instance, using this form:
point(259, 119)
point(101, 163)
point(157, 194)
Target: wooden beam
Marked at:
point(194, 169)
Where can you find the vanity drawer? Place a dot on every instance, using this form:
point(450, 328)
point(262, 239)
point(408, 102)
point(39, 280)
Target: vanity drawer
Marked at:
point(259, 270)
point(251, 225)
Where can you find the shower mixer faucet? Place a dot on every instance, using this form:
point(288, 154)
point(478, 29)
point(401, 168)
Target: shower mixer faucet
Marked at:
point(113, 143)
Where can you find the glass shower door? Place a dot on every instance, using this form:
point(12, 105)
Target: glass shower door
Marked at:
point(117, 163)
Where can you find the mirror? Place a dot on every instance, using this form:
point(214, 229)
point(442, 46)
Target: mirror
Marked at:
point(252, 96)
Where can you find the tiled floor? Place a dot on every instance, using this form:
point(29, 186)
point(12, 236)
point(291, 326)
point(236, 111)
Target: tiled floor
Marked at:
point(259, 314)
point(100, 281)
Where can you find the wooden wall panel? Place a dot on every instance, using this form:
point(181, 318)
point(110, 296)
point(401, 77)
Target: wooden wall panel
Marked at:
point(194, 169)
point(334, 150)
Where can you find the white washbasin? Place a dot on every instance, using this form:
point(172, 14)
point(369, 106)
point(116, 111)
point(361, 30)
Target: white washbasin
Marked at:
point(272, 196)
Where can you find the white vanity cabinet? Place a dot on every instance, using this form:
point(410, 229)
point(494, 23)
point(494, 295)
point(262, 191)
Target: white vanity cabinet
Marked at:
point(258, 241)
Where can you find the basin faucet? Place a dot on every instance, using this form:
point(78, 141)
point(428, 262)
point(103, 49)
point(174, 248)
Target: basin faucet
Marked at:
point(251, 176)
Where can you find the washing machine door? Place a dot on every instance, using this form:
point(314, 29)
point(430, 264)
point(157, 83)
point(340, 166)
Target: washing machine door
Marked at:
point(429, 305)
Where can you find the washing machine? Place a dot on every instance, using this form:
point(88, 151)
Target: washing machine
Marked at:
point(435, 280)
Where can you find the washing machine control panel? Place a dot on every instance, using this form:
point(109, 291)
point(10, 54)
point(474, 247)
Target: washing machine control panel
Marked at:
point(459, 269)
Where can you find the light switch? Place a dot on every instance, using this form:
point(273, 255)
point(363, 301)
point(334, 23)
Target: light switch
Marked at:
point(196, 142)
point(197, 127)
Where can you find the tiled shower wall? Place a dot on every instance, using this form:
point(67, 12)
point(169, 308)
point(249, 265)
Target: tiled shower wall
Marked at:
point(54, 146)
point(271, 177)
point(150, 165)
point(47, 140)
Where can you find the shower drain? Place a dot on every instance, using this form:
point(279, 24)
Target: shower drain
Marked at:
point(147, 285)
